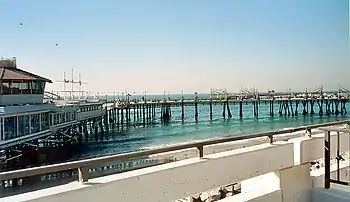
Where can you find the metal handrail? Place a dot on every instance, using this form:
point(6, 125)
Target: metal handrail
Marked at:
point(340, 130)
point(327, 155)
point(82, 165)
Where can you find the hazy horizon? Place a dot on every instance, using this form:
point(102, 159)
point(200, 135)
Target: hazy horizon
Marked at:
point(181, 45)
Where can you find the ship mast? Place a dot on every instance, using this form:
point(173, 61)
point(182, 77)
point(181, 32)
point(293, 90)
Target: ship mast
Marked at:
point(72, 82)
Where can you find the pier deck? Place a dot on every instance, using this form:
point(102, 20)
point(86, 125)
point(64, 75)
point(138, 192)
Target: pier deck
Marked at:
point(122, 112)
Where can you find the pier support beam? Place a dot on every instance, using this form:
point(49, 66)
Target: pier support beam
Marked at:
point(228, 109)
point(182, 110)
point(143, 114)
point(196, 110)
point(240, 109)
point(271, 108)
point(223, 110)
point(211, 108)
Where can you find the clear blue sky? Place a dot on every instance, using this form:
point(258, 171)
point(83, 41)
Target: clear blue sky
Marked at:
point(179, 45)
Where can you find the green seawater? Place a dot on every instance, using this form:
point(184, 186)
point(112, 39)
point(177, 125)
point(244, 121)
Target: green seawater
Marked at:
point(157, 135)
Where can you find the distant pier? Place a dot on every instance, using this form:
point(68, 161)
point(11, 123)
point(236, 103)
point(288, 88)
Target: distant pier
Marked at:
point(126, 113)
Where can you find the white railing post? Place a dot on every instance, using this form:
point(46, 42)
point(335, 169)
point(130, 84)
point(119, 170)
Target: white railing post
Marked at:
point(83, 174)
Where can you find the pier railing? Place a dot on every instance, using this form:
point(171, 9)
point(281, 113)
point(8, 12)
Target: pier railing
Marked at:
point(83, 165)
point(327, 156)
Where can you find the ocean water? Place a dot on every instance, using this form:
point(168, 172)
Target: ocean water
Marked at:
point(158, 135)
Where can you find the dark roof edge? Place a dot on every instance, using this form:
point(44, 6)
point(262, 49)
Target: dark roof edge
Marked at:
point(34, 75)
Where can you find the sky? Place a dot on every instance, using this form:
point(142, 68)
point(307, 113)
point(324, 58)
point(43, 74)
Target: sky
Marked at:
point(175, 45)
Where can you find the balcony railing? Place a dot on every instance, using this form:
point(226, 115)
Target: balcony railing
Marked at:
point(289, 161)
point(327, 155)
point(83, 165)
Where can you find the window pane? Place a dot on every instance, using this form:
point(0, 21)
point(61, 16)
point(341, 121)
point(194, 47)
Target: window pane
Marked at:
point(15, 88)
point(45, 121)
point(23, 125)
point(25, 87)
point(35, 124)
point(10, 124)
point(6, 88)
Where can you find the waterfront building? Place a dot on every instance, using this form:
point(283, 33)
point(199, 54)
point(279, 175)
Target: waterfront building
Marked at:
point(27, 118)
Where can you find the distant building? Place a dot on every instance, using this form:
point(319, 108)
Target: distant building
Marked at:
point(19, 86)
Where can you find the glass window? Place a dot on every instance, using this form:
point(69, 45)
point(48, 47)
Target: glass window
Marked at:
point(42, 87)
point(67, 117)
point(10, 124)
point(1, 127)
point(38, 87)
point(34, 123)
point(45, 120)
point(34, 87)
point(21, 87)
point(6, 88)
point(55, 119)
point(23, 125)
point(63, 117)
point(25, 87)
point(15, 88)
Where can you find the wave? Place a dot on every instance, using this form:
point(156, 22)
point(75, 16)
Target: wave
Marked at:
point(175, 144)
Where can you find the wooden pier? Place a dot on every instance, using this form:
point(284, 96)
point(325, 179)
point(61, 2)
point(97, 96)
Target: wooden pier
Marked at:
point(126, 113)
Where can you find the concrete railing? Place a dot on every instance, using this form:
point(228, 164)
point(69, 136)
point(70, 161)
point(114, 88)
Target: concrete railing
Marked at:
point(276, 171)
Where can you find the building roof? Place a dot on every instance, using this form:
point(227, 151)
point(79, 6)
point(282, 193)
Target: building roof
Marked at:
point(12, 73)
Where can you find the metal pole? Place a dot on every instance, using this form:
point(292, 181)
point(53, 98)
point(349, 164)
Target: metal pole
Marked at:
point(327, 160)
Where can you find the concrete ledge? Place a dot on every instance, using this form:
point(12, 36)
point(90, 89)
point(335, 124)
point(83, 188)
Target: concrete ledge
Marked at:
point(174, 180)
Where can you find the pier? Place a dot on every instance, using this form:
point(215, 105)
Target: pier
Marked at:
point(131, 112)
